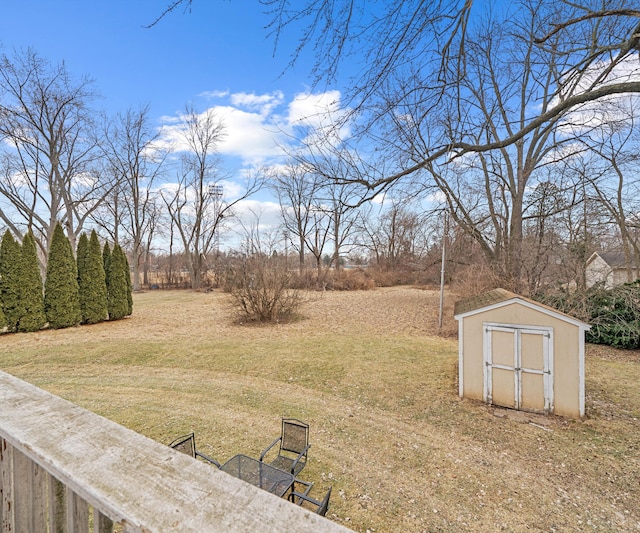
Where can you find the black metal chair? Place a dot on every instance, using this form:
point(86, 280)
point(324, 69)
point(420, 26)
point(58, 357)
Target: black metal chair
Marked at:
point(187, 445)
point(294, 446)
point(319, 506)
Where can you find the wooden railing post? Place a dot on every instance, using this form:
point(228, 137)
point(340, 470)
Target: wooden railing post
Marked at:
point(57, 505)
point(77, 513)
point(101, 523)
point(6, 487)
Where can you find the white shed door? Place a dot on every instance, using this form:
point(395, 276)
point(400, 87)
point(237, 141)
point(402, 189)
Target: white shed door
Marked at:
point(517, 367)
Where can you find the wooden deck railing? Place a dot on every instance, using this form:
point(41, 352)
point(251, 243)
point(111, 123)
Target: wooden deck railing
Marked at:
point(63, 468)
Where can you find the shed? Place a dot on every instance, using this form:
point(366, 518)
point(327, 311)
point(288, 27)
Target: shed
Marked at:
point(518, 353)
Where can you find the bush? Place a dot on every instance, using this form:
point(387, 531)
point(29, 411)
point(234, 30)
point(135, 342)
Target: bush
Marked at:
point(91, 280)
point(118, 292)
point(3, 320)
point(353, 279)
point(614, 314)
point(34, 317)
point(61, 299)
point(261, 289)
point(11, 281)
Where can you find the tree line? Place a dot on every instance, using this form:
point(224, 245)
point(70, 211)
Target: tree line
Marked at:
point(62, 160)
point(516, 119)
point(94, 288)
point(517, 125)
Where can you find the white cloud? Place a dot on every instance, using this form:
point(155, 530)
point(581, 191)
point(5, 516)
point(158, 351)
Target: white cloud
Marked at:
point(251, 136)
point(166, 119)
point(257, 126)
point(169, 189)
point(268, 211)
point(321, 117)
point(309, 109)
point(611, 110)
point(214, 94)
point(231, 190)
point(262, 103)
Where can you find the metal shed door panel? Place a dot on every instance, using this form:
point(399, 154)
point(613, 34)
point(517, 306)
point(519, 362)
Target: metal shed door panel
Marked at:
point(518, 367)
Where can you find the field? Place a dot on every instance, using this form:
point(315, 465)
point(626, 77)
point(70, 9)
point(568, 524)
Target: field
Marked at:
point(402, 451)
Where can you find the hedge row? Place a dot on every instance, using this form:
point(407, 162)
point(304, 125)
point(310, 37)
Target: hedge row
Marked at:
point(76, 290)
point(614, 314)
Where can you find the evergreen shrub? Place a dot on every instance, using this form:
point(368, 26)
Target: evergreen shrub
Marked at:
point(92, 285)
point(34, 317)
point(117, 287)
point(61, 298)
point(613, 314)
point(11, 281)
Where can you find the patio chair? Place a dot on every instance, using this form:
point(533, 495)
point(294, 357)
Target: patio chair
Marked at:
point(294, 446)
point(187, 444)
point(319, 506)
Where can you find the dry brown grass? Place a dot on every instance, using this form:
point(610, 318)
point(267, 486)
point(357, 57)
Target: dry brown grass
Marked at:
point(388, 432)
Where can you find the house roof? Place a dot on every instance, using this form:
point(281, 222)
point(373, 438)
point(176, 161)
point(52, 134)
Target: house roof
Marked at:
point(613, 259)
point(498, 297)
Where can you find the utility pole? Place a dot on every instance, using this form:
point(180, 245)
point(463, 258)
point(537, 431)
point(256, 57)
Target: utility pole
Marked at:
point(445, 230)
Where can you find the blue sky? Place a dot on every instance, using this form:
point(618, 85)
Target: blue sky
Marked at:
point(221, 45)
point(219, 55)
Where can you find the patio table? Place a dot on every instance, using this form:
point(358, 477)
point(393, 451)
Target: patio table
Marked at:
point(260, 474)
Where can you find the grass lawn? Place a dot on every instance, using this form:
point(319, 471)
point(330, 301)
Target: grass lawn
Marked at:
point(388, 431)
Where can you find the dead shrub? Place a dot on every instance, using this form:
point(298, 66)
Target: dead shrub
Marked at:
point(356, 279)
point(309, 279)
point(474, 279)
point(261, 288)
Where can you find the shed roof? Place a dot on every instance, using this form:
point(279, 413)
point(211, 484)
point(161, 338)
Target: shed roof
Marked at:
point(483, 300)
point(496, 297)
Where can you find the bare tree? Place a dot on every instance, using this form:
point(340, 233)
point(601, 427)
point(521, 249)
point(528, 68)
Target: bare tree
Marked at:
point(49, 147)
point(543, 239)
point(136, 162)
point(343, 217)
point(154, 219)
point(608, 167)
point(312, 211)
point(319, 234)
point(197, 206)
point(332, 164)
point(296, 189)
point(396, 237)
point(412, 44)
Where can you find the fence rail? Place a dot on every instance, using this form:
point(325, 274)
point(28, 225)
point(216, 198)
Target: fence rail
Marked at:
point(65, 469)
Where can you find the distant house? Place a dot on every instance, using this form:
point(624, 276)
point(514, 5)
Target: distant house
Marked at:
point(608, 267)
